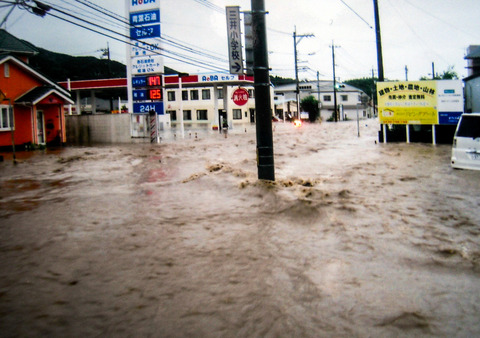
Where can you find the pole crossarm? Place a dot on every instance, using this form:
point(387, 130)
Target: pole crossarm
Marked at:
point(295, 44)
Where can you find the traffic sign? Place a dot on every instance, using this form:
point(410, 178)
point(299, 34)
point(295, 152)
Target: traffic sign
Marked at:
point(240, 96)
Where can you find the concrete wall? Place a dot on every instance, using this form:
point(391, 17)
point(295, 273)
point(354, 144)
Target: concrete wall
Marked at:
point(472, 95)
point(94, 129)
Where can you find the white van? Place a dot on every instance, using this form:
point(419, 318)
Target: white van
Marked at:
point(466, 143)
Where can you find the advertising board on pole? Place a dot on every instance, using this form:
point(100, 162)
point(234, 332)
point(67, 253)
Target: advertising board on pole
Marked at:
point(420, 102)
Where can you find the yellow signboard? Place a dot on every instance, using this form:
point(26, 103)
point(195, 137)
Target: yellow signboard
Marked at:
point(407, 102)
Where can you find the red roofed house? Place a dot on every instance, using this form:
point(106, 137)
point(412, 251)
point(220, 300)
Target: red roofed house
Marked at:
point(30, 103)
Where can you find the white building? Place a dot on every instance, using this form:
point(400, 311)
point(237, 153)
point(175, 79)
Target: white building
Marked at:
point(349, 99)
point(206, 99)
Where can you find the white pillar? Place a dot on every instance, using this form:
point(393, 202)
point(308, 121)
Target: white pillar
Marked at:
point(408, 132)
point(434, 132)
point(180, 115)
point(78, 103)
point(93, 102)
point(216, 121)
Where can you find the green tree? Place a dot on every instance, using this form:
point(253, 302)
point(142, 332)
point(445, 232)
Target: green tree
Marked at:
point(449, 74)
point(309, 104)
point(366, 84)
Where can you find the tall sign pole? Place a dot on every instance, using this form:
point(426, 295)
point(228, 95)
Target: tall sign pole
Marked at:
point(145, 63)
point(265, 157)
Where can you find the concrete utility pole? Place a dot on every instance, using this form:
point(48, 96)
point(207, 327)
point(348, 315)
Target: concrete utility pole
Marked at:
point(379, 42)
point(265, 162)
point(334, 83)
point(295, 43)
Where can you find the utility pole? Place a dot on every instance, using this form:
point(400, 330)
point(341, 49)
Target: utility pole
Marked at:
point(318, 90)
point(433, 70)
point(295, 43)
point(265, 158)
point(334, 83)
point(106, 52)
point(379, 42)
point(406, 73)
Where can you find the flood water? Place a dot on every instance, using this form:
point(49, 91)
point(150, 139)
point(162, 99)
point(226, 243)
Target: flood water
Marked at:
point(180, 239)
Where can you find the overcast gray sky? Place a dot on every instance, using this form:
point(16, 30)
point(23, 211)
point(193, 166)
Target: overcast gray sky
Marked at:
point(414, 34)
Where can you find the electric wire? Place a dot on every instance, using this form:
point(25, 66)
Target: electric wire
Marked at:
point(350, 8)
point(173, 55)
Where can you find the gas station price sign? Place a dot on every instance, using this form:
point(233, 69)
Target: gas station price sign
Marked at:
point(153, 89)
point(147, 81)
point(154, 81)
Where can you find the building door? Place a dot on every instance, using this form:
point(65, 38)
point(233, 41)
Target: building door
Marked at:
point(252, 115)
point(222, 115)
point(40, 128)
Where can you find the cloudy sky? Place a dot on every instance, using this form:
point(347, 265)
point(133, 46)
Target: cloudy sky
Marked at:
point(415, 34)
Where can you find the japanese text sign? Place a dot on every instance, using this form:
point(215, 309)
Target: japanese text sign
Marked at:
point(234, 40)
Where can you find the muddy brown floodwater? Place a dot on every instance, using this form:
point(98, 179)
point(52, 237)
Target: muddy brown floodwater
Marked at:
point(180, 239)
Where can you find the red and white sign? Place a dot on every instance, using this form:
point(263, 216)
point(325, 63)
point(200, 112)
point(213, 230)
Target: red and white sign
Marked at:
point(240, 96)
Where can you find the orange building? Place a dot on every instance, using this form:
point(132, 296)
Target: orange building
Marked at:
point(31, 105)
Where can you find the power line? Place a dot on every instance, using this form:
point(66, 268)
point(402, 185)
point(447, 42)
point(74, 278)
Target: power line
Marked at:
point(350, 8)
point(174, 55)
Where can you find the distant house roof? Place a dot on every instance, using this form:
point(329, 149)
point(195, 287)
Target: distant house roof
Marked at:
point(325, 86)
point(38, 94)
point(27, 68)
point(11, 44)
point(473, 52)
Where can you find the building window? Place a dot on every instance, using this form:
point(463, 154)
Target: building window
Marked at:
point(171, 96)
point(251, 93)
point(6, 118)
point(344, 97)
point(184, 95)
point(237, 114)
point(6, 69)
point(202, 115)
point(173, 114)
point(187, 115)
point(327, 98)
point(205, 94)
point(194, 95)
point(220, 93)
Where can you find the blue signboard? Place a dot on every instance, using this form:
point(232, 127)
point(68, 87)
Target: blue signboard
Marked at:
point(139, 95)
point(146, 107)
point(145, 18)
point(145, 32)
point(139, 81)
point(449, 117)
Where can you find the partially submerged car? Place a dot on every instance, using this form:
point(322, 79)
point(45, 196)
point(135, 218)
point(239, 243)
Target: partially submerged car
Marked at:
point(466, 142)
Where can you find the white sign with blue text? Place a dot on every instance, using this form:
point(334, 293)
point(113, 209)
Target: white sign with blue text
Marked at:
point(145, 47)
point(147, 65)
